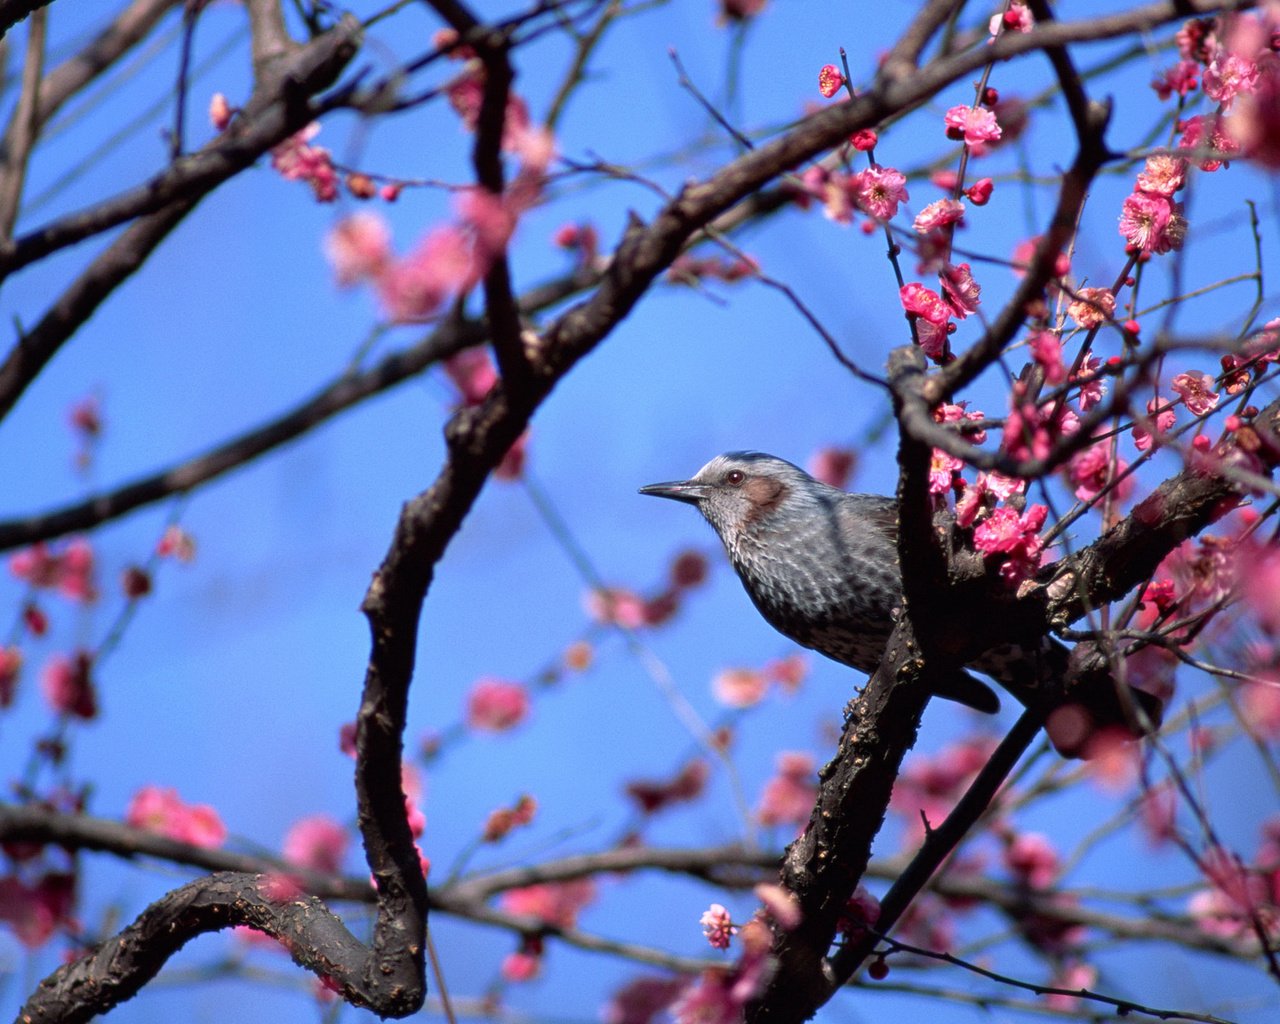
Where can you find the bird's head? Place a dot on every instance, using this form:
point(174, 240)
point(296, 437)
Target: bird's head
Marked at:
point(740, 492)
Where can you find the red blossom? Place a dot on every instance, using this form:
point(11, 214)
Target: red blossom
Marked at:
point(68, 687)
point(1046, 350)
point(317, 843)
point(495, 705)
point(830, 80)
point(961, 291)
point(979, 193)
point(788, 796)
point(975, 125)
point(160, 810)
point(833, 466)
point(503, 820)
point(555, 903)
point(36, 912)
point(10, 667)
point(653, 795)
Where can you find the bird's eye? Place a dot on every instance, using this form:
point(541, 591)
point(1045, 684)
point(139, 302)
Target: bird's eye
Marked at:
point(734, 477)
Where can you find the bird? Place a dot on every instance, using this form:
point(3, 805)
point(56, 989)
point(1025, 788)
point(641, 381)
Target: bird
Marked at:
point(821, 566)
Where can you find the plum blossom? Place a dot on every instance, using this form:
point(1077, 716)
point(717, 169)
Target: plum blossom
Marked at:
point(1161, 416)
point(1162, 174)
point(70, 569)
point(495, 705)
point(1092, 307)
point(1197, 392)
point(1032, 860)
point(1253, 123)
point(975, 125)
point(938, 214)
point(961, 292)
point(942, 468)
point(830, 80)
point(1153, 223)
point(653, 795)
point(878, 191)
point(833, 466)
point(788, 796)
point(68, 687)
point(1092, 384)
point(317, 843)
point(1228, 76)
point(1180, 79)
point(160, 810)
point(1006, 532)
point(1046, 350)
point(359, 248)
point(717, 926)
point(555, 903)
point(36, 911)
point(1094, 468)
point(1016, 18)
point(297, 160)
point(739, 687)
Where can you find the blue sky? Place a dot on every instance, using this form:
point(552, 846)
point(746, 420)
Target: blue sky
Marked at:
point(234, 678)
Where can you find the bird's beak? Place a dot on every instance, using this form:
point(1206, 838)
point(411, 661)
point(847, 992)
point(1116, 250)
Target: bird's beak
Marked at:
point(688, 491)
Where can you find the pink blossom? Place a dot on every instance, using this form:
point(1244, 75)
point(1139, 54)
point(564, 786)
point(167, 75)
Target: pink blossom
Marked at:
point(938, 214)
point(643, 999)
point(1162, 174)
point(1158, 813)
point(1094, 468)
point(472, 372)
point(1260, 702)
point(1092, 307)
point(67, 686)
point(1162, 421)
point(830, 80)
point(555, 903)
point(974, 125)
point(930, 785)
point(933, 339)
point(1017, 18)
point(522, 965)
point(861, 912)
point(924, 303)
point(1024, 253)
point(1033, 861)
point(176, 543)
point(878, 191)
point(444, 263)
point(1197, 392)
point(297, 160)
point(833, 466)
point(1207, 132)
point(1260, 580)
point(1152, 223)
point(1072, 975)
point(687, 784)
point(957, 413)
point(616, 606)
point(1046, 350)
point(495, 705)
point(1006, 532)
point(979, 193)
point(70, 570)
point(317, 843)
point(359, 248)
point(1253, 125)
point(1180, 79)
point(511, 467)
point(36, 912)
point(864, 140)
point(739, 687)
point(1228, 76)
point(942, 466)
point(161, 810)
point(10, 667)
point(502, 821)
point(962, 292)
point(717, 926)
point(219, 112)
point(788, 796)
point(1092, 384)
point(780, 904)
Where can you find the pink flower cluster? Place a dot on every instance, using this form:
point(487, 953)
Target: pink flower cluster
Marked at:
point(297, 160)
point(788, 797)
point(496, 705)
point(317, 843)
point(161, 810)
point(626, 609)
point(36, 910)
point(746, 687)
point(1240, 897)
point(68, 570)
point(687, 784)
point(877, 192)
point(1016, 536)
point(67, 685)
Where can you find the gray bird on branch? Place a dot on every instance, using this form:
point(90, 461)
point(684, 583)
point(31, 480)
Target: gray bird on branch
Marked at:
point(822, 568)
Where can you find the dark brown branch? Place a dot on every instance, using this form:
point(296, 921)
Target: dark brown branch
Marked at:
point(119, 967)
point(493, 49)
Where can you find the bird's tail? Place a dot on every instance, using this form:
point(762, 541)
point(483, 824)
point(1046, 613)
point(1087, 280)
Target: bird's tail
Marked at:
point(1085, 707)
